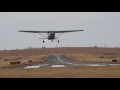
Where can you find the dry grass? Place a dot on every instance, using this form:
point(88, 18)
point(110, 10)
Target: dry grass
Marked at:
point(67, 72)
point(5, 61)
point(67, 50)
point(81, 54)
point(94, 57)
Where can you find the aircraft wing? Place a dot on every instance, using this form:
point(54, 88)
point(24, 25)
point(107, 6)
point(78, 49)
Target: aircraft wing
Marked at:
point(50, 31)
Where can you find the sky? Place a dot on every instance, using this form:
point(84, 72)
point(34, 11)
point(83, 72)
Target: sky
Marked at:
point(100, 29)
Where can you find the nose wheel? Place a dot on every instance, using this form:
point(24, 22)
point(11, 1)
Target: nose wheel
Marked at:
point(58, 41)
point(43, 41)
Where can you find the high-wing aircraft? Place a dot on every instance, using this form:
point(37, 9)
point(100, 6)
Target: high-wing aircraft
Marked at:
point(51, 34)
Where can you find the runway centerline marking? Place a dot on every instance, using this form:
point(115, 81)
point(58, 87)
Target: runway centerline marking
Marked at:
point(59, 58)
point(62, 60)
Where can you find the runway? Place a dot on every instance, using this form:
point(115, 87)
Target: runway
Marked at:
point(60, 60)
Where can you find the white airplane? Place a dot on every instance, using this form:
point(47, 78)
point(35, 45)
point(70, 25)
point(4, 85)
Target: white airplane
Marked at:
point(51, 34)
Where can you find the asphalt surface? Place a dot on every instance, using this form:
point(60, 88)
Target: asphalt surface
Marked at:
point(60, 60)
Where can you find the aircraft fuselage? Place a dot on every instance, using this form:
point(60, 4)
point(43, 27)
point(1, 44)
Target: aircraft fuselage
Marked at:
point(51, 36)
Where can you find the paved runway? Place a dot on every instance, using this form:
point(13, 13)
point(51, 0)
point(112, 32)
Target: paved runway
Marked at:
point(60, 60)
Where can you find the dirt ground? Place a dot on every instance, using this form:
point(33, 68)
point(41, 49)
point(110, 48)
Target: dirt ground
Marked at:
point(67, 72)
point(84, 54)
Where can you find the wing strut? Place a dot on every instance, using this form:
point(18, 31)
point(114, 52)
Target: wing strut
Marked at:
point(59, 35)
point(43, 35)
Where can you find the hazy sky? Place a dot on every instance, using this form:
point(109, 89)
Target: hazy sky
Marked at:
point(100, 28)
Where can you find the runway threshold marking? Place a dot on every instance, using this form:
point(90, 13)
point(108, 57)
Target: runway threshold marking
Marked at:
point(114, 64)
point(95, 65)
point(58, 66)
point(33, 66)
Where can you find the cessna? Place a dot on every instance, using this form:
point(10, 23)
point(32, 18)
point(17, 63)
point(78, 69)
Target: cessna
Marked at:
point(51, 34)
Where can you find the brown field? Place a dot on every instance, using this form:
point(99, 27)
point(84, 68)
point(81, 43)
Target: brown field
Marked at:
point(83, 54)
point(67, 72)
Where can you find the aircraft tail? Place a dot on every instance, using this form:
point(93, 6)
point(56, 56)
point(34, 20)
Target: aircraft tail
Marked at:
point(46, 38)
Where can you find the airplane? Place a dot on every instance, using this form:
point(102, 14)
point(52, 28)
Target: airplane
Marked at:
point(51, 34)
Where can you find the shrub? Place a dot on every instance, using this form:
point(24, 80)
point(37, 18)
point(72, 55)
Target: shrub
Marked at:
point(0, 57)
point(5, 59)
point(101, 57)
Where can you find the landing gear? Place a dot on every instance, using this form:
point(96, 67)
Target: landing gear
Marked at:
point(58, 41)
point(43, 41)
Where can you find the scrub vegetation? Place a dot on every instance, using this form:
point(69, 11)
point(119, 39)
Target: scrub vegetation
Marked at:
point(83, 54)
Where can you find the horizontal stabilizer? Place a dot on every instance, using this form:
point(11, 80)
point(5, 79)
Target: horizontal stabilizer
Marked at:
point(42, 38)
point(56, 38)
point(47, 38)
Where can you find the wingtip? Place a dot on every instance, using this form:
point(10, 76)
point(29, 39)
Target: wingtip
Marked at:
point(82, 30)
point(19, 30)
